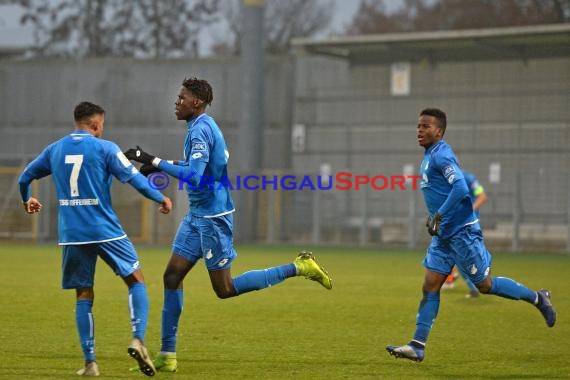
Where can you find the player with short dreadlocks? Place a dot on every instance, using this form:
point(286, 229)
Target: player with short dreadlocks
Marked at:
point(207, 231)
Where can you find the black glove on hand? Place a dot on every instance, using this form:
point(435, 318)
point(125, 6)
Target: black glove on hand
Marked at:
point(147, 169)
point(432, 224)
point(139, 155)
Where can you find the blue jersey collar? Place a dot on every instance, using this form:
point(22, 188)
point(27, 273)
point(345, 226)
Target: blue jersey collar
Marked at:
point(191, 122)
point(432, 146)
point(81, 132)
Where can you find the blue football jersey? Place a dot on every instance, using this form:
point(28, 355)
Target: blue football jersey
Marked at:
point(438, 171)
point(82, 168)
point(205, 142)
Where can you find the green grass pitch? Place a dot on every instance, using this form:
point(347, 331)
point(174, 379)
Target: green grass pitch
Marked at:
point(296, 329)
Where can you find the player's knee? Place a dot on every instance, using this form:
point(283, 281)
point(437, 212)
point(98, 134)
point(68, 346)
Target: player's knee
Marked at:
point(84, 293)
point(224, 292)
point(484, 286)
point(171, 280)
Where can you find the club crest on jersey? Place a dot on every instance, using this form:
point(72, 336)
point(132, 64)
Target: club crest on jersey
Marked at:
point(199, 146)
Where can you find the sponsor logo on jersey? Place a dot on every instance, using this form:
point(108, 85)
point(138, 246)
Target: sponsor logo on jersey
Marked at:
point(136, 265)
point(197, 155)
point(223, 262)
point(199, 146)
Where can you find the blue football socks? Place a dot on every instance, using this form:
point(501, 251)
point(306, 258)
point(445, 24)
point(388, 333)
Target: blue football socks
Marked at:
point(507, 288)
point(429, 307)
point(86, 328)
point(261, 279)
point(138, 309)
point(172, 308)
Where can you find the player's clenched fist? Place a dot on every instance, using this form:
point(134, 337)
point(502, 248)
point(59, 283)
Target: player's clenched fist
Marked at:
point(165, 205)
point(32, 205)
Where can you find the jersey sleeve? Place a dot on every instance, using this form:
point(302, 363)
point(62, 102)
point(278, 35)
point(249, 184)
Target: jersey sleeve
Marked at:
point(199, 145)
point(447, 165)
point(119, 164)
point(38, 168)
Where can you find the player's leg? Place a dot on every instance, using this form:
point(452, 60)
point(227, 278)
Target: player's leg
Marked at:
point(185, 253)
point(511, 289)
point(217, 248)
point(438, 263)
point(218, 252)
point(78, 272)
point(476, 264)
point(304, 265)
point(86, 329)
point(173, 278)
point(138, 310)
point(122, 257)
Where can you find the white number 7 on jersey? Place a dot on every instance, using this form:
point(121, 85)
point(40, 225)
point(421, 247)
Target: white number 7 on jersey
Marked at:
point(77, 161)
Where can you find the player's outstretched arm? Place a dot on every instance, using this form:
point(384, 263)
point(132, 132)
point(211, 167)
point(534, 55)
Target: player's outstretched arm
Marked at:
point(140, 183)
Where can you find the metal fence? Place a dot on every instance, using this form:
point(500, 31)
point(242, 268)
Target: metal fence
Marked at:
point(510, 115)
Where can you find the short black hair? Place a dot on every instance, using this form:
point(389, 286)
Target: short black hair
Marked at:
point(200, 89)
point(439, 115)
point(85, 110)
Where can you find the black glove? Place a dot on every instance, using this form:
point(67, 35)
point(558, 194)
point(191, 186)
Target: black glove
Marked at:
point(139, 155)
point(147, 169)
point(432, 224)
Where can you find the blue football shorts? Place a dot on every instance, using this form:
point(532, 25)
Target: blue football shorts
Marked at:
point(466, 249)
point(78, 261)
point(209, 238)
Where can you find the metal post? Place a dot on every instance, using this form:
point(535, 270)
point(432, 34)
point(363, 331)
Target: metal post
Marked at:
point(412, 233)
point(364, 216)
point(516, 213)
point(316, 217)
point(270, 238)
point(568, 215)
point(251, 132)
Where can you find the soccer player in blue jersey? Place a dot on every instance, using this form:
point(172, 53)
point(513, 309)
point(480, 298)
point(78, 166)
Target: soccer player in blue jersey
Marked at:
point(82, 165)
point(207, 231)
point(478, 198)
point(456, 237)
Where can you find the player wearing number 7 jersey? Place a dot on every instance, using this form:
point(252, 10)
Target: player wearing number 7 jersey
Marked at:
point(82, 166)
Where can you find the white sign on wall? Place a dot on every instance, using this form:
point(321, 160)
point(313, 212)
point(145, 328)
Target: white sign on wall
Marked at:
point(408, 170)
point(400, 78)
point(298, 137)
point(326, 171)
point(495, 172)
